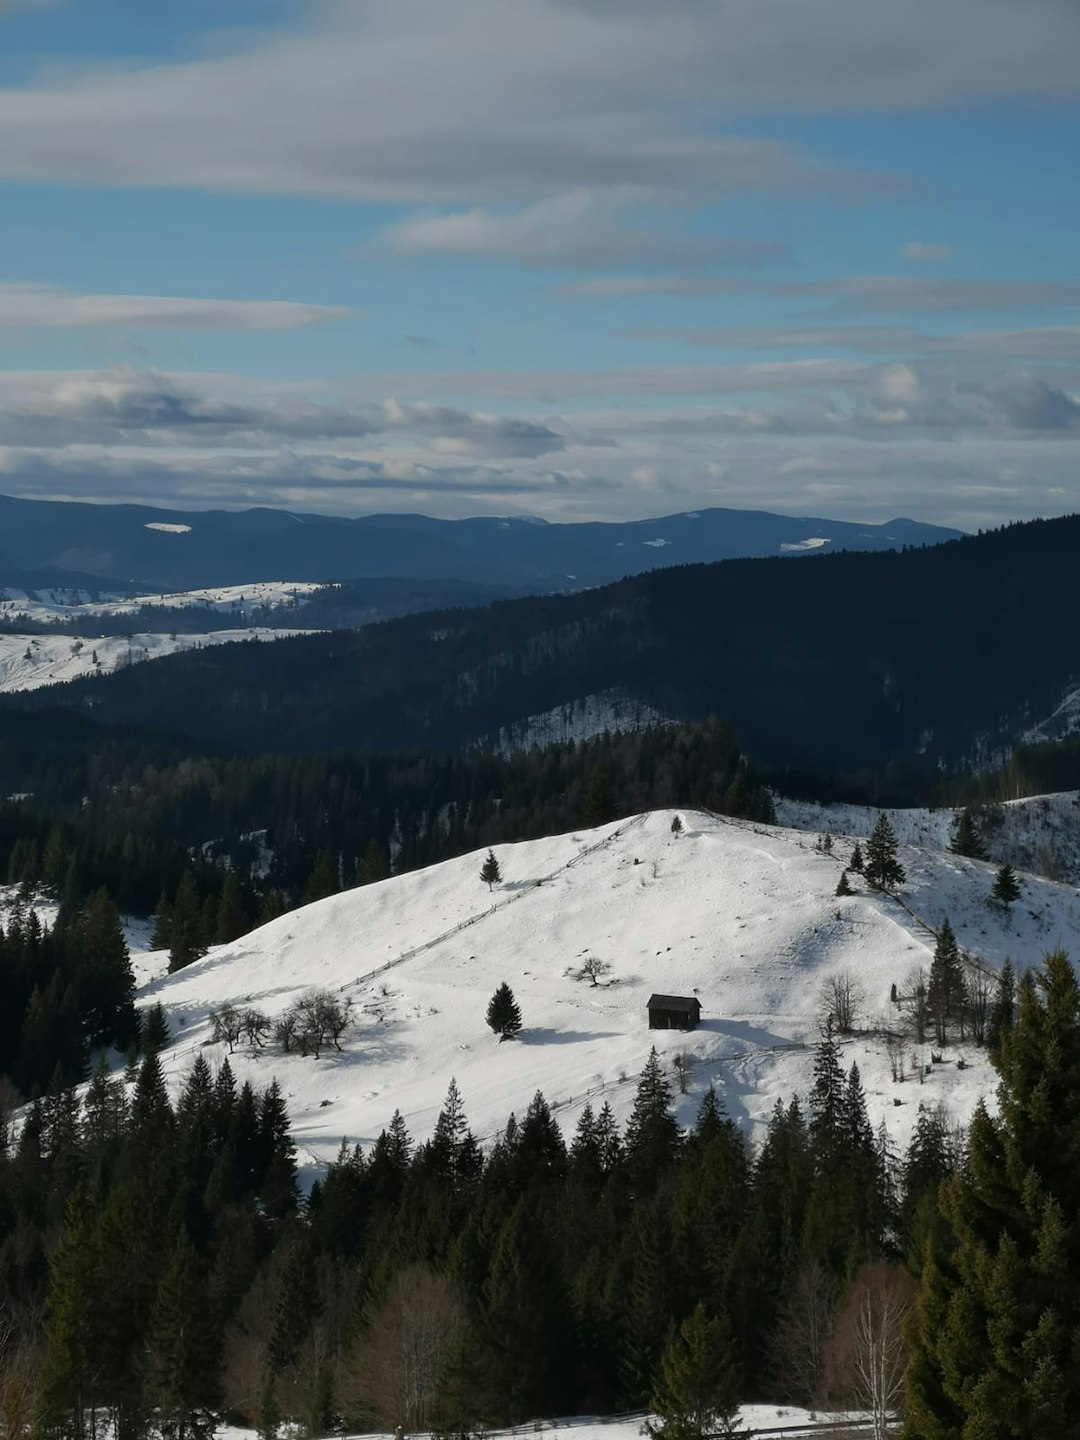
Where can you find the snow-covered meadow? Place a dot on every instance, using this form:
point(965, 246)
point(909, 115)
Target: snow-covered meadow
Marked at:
point(743, 916)
point(28, 662)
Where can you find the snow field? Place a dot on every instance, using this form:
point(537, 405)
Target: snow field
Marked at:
point(744, 916)
point(27, 662)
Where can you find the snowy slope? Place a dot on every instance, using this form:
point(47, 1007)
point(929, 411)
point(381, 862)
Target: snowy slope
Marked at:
point(237, 601)
point(28, 662)
point(1040, 833)
point(743, 916)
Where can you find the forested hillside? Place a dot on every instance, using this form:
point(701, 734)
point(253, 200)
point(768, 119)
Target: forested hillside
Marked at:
point(949, 653)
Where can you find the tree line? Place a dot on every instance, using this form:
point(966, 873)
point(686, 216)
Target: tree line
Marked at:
point(158, 1266)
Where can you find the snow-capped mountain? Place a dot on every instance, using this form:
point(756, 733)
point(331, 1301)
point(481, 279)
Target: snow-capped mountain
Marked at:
point(743, 917)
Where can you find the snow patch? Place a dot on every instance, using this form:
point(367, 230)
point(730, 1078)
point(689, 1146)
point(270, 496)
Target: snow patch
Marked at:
point(579, 719)
point(656, 544)
point(814, 543)
point(166, 529)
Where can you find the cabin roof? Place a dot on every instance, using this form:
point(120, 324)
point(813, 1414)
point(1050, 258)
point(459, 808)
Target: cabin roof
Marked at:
point(673, 1002)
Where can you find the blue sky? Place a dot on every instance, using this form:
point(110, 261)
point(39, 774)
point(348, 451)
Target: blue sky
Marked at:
point(575, 258)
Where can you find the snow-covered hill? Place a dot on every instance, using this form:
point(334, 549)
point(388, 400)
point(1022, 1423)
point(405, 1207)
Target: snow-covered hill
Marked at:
point(1040, 833)
point(61, 605)
point(743, 916)
point(27, 662)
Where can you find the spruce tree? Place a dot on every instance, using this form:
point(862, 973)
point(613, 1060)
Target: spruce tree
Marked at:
point(946, 993)
point(856, 862)
point(652, 1134)
point(993, 1348)
point(187, 941)
point(184, 1353)
point(843, 885)
point(374, 865)
point(324, 879)
point(231, 920)
point(503, 1013)
point(965, 838)
point(1003, 1014)
point(697, 1393)
point(1006, 887)
point(676, 826)
point(490, 873)
point(882, 868)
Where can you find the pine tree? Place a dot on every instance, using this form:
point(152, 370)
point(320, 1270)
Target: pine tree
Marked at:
point(1003, 1014)
point(231, 920)
point(993, 1349)
point(503, 1013)
point(843, 885)
point(965, 838)
point(946, 992)
point(1006, 887)
point(652, 1133)
point(698, 1390)
point(161, 934)
point(324, 879)
point(598, 805)
point(490, 873)
point(184, 1353)
point(186, 934)
point(154, 1030)
point(373, 867)
point(856, 862)
point(882, 868)
point(676, 826)
point(71, 1394)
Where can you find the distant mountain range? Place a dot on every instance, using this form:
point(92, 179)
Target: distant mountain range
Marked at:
point(48, 543)
point(942, 654)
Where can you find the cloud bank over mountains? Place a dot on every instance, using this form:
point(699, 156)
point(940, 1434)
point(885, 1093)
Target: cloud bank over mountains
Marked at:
point(566, 180)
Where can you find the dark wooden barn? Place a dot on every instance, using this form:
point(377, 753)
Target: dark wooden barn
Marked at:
point(674, 1012)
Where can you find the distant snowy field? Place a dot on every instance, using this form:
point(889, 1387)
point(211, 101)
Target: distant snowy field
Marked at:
point(743, 916)
point(236, 600)
point(27, 662)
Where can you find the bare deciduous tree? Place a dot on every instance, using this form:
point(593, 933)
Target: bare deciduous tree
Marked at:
point(593, 969)
point(980, 986)
point(683, 1064)
point(317, 1020)
point(867, 1356)
point(843, 997)
point(914, 1003)
point(390, 1375)
point(20, 1368)
point(802, 1332)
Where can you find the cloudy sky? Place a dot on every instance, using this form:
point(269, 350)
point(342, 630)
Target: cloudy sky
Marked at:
point(584, 259)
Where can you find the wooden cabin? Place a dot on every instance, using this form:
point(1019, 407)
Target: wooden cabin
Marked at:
point(674, 1012)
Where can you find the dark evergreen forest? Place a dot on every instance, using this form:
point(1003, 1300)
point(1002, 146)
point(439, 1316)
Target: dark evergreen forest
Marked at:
point(949, 652)
point(159, 1265)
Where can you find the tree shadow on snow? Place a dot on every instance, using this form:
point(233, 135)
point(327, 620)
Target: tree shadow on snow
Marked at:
point(563, 1037)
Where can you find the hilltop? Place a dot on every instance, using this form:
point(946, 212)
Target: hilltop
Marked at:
point(744, 916)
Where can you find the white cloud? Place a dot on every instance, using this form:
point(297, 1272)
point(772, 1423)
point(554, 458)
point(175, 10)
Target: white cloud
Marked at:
point(48, 305)
point(492, 100)
point(580, 230)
